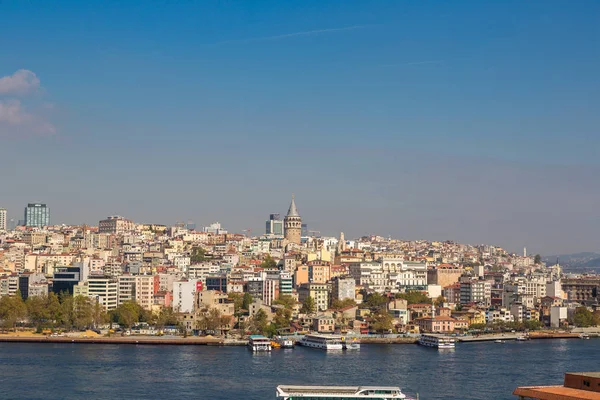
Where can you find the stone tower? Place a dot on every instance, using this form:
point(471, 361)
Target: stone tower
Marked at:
point(292, 224)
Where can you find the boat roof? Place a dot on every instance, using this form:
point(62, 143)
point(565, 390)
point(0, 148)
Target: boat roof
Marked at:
point(258, 337)
point(324, 336)
point(297, 389)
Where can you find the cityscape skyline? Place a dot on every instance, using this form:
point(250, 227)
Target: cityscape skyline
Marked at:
point(471, 122)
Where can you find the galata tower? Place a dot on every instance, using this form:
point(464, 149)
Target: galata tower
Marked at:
point(292, 224)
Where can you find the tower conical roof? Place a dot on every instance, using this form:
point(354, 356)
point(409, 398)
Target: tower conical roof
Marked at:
point(293, 211)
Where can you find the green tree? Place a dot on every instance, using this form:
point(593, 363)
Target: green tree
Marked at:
point(37, 310)
point(198, 255)
point(246, 301)
point(259, 322)
point(283, 317)
point(210, 320)
point(268, 262)
point(439, 301)
point(286, 300)
point(308, 306)
point(414, 297)
point(83, 312)
point(583, 317)
point(166, 317)
point(376, 301)
point(537, 259)
point(381, 321)
point(127, 314)
point(53, 307)
point(238, 300)
point(66, 314)
point(337, 304)
point(532, 324)
point(12, 310)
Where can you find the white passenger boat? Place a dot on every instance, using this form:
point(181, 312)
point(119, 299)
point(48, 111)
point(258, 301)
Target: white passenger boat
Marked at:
point(437, 340)
point(259, 343)
point(324, 342)
point(286, 392)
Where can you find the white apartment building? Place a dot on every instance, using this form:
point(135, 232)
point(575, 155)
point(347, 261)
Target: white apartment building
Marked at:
point(105, 289)
point(184, 292)
point(476, 291)
point(144, 291)
point(343, 288)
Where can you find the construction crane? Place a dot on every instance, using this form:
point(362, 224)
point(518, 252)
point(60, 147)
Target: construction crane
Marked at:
point(248, 232)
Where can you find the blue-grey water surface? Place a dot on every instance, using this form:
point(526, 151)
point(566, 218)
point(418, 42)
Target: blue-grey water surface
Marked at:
point(472, 371)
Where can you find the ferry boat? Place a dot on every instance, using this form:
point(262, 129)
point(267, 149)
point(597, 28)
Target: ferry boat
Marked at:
point(286, 392)
point(350, 343)
point(284, 343)
point(259, 343)
point(324, 342)
point(437, 340)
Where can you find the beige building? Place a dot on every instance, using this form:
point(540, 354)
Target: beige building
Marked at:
point(317, 291)
point(115, 225)
point(215, 299)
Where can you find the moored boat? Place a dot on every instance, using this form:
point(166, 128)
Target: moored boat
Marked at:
point(284, 343)
point(258, 343)
point(350, 343)
point(323, 342)
point(289, 392)
point(584, 336)
point(437, 340)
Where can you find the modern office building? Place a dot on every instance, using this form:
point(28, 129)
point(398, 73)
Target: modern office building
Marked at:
point(274, 226)
point(37, 214)
point(2, 219)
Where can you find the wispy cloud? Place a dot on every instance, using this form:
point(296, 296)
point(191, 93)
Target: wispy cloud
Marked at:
point(294, 34)
point(15, 119)
point(21, 82)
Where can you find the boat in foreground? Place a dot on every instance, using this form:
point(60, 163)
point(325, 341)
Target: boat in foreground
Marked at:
point(323, 342)
point(259, 343)
point(437, 340)
point(289, 392)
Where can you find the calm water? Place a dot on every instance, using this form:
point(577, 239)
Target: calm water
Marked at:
point(472, 371)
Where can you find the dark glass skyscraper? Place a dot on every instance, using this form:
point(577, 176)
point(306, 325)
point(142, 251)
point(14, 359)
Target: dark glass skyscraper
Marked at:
point(37, 214)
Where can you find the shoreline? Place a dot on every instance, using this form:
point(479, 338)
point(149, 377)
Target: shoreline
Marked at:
point(203, 341)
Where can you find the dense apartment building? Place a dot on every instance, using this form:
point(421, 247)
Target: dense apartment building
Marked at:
point(115, 225)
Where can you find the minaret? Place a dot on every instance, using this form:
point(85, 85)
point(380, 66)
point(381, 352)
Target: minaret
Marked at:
point(293, 224)
point(341, 243)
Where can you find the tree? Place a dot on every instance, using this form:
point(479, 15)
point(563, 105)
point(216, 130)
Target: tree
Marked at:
point(308, 306)
point(238, 300)
point(198, 255)
point(37, 310)
point(286, 301)
point(260, 322)
point(127, 314)
point(381, 321)
point(532, 324)
point(439, 301)
point(337, 304)
point(537, 259)
point(282, 319)
point(268, 262)
point(246, 301)
point(166, 317)
point(53, 308)
point(211, 320)
point(414, 297)
point(583, 317)
point(12, 310)
point(376, 301)
point(83, 312)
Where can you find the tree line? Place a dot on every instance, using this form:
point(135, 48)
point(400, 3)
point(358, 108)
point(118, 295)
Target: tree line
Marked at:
point(68, 312)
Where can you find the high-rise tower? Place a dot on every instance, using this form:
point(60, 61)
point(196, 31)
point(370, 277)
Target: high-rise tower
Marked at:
point(293, 224)
point(37, 214)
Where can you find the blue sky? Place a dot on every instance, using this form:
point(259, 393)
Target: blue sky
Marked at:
point(469, 121)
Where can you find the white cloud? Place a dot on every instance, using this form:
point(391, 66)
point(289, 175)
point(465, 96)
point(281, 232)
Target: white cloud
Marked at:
point(21, 82)
point(14, 119)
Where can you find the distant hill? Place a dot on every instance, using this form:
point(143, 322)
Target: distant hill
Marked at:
point(587, 260)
